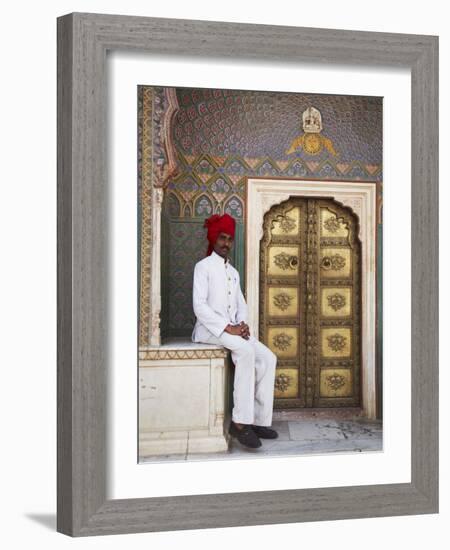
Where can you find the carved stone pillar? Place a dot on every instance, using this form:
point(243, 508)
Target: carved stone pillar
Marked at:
point(155, 334)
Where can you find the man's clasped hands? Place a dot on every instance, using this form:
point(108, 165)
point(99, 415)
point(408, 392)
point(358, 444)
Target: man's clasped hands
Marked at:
point(239, 330)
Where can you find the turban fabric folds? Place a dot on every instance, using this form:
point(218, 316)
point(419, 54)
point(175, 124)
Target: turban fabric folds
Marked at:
point(216, 224)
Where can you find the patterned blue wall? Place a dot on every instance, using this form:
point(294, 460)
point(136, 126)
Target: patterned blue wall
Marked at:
point(224, 136)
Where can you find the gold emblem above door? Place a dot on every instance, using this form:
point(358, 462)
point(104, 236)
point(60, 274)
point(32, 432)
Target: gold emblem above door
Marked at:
point(310, 302)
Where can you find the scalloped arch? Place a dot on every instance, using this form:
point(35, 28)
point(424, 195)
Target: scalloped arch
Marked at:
point(203, 206)
point(237, 209)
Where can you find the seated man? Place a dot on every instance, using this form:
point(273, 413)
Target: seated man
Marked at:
point(221, 313)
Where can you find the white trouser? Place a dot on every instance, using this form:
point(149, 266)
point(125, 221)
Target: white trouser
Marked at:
point(254, 378)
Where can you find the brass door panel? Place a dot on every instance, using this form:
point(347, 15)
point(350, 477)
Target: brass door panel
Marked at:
point(331, 225)
point(284, 261)
point(336, 342)
point(288, 224)
point(335, 262)
point(310, 302)
point(336, 301)
point(283, 341)
point(286, 383)
point(283, 301)
point(335, 383)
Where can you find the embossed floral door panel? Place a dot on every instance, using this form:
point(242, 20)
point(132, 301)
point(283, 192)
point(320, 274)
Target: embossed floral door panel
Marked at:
point(310, 302)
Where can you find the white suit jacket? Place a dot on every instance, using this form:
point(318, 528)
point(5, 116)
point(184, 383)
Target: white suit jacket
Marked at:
point(217, 297)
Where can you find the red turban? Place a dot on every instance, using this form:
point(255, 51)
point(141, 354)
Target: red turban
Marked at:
point(216, 224)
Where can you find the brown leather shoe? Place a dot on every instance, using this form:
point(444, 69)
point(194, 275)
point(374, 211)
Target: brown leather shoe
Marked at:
point(246, 436)
point(265, 432)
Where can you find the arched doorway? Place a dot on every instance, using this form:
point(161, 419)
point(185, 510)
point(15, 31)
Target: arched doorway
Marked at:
point(310, 302)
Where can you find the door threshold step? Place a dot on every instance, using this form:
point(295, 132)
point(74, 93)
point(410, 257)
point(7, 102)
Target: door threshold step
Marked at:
point(323, 412)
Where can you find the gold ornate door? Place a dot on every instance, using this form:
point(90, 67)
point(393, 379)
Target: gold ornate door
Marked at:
point(310, 302)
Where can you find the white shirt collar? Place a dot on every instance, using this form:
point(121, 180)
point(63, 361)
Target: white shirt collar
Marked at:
point(219, 258)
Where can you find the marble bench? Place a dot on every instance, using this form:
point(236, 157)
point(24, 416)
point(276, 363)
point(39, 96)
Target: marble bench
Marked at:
point(184, 398)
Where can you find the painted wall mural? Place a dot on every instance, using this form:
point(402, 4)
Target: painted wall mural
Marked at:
point(219, 138)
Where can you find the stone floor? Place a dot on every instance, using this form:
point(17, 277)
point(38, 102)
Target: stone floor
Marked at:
point(303, 433)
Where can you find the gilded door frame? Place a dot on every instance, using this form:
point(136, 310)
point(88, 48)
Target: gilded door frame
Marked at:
point(261, 195)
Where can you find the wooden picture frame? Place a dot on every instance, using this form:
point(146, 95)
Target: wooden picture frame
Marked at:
point(83, 40)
